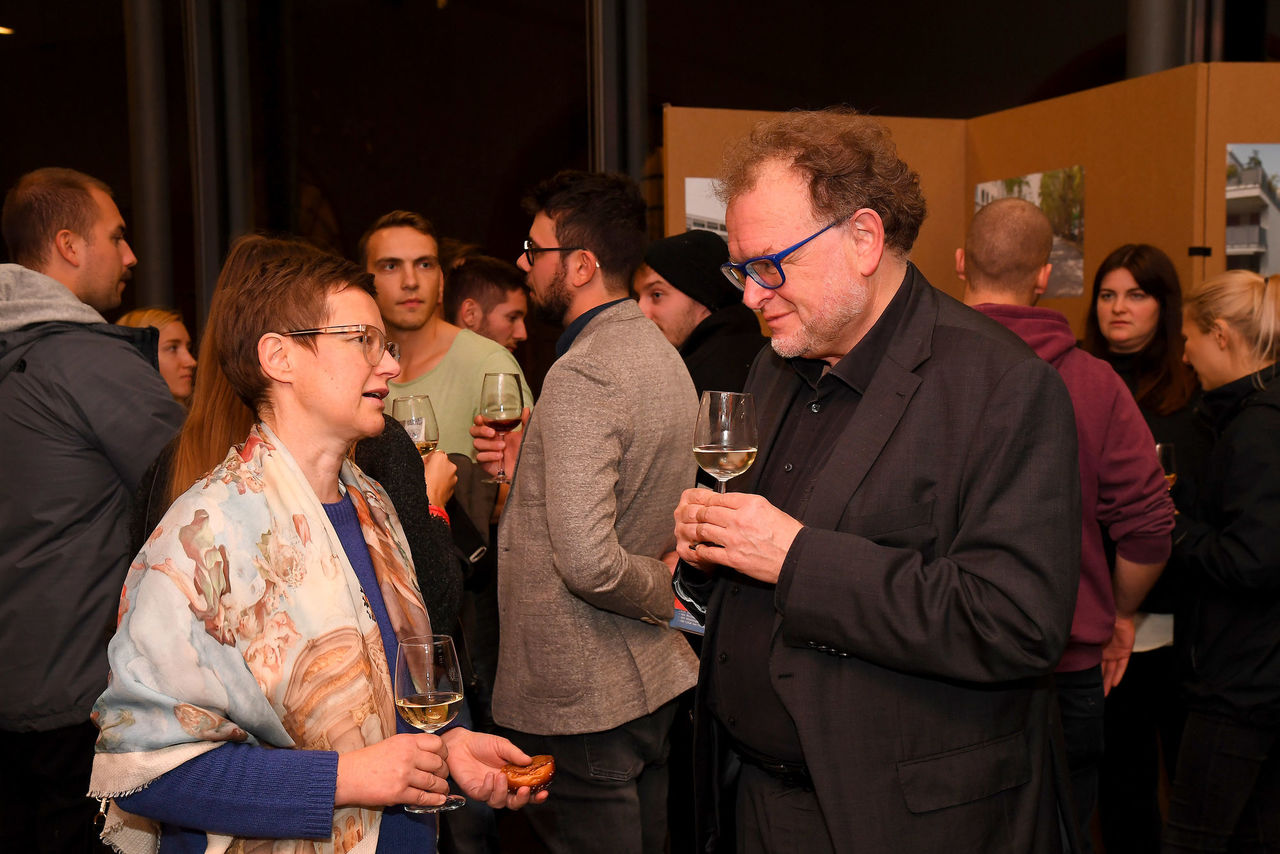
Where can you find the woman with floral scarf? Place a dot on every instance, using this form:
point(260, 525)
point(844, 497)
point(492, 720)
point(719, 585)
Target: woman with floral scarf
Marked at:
point(250, 705)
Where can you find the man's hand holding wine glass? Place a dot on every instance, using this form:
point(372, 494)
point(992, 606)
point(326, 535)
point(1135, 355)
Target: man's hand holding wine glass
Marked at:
point(734, 529)
point(496, 451)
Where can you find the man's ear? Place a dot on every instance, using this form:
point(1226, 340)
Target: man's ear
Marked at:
point(582, 267)
point(867, 230)
point(1042, 280)
point(960, 263)
point(67, 244)
point(275, 357)
point(470, 314)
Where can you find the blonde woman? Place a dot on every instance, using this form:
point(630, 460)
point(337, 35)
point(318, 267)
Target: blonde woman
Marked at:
point(1226, 794)
point(177, 365)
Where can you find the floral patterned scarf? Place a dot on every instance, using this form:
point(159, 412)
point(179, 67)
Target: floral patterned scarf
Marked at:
point(242, 620)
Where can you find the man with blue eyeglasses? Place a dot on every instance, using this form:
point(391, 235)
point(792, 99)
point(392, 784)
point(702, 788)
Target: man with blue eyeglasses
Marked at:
point(888, 589)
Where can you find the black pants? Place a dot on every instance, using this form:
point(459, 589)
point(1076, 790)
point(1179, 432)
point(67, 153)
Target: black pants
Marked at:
point(609, 794)
point(44, 780)
point(1080, 701)
point(773, 817)
point(1226, 795)
point(1145, 715)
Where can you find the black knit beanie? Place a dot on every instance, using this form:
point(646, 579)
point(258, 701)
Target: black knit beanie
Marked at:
point(691, 263)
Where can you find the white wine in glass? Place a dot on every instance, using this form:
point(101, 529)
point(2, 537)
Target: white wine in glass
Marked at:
point(418, 418)
point(501, 405)
point(724, 442)
point(428, 685)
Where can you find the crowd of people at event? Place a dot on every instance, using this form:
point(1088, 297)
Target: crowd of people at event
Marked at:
point(960, 600)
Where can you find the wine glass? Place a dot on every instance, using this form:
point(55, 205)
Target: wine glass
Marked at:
point(501, 405)
point(419, 419)
point(724, 442)
point(429, 692)
point(1164, 453)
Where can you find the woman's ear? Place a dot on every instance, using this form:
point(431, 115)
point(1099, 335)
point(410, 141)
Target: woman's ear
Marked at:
point(1221, 332)
point(276, 357)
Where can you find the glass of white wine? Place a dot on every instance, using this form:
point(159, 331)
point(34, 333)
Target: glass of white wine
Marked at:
point(724, 442)
point(429, 692)
point(418, 417)
point(501, 405)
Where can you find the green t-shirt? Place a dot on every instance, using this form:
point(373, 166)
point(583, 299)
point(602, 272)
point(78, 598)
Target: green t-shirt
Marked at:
point(454, 387)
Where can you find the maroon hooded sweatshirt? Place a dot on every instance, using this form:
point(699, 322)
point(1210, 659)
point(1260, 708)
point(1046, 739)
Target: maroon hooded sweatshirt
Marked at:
point(1122, 490)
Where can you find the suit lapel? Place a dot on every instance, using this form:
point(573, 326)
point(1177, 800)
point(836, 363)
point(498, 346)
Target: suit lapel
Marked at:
point(863, 439)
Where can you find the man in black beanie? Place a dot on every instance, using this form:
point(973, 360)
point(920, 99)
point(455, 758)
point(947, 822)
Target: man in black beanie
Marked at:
point(681, 289)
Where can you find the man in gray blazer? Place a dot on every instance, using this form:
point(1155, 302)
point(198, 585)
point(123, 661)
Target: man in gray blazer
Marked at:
point(588, 669)
point(889, 591)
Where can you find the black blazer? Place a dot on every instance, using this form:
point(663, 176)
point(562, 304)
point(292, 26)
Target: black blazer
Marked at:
point(929, 597)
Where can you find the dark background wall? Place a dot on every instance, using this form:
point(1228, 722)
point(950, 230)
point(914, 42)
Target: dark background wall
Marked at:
point(455, 107)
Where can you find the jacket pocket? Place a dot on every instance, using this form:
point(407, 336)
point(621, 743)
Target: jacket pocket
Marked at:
point(965, 775)
point(903, 526)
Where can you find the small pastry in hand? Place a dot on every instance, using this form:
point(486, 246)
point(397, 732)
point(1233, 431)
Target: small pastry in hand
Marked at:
point(536, 775)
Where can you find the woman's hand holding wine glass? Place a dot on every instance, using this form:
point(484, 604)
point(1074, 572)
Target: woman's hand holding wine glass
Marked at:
point(428, 688)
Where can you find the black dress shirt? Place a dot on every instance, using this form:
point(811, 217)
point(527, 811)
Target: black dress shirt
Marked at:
point(741, 694)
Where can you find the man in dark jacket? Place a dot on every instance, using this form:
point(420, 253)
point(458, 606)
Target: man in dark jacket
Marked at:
point(1005, 264)
point(83, 412)
point(888, 588)
point(681, 289)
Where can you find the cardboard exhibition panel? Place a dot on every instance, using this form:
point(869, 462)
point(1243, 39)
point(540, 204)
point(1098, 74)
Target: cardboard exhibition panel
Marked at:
point(1240, 113)
point(1152, 151)
point(695, 140)
point(1141, 151)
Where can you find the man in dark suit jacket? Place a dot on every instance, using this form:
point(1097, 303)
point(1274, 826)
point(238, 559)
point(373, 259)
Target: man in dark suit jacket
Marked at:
point(890, 589)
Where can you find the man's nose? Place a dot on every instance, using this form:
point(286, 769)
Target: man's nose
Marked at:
point(126, 254)
point(519, 332)
point(754, 295)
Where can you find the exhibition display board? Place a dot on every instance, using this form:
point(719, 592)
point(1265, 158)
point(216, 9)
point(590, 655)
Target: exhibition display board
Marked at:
point(1151, 152)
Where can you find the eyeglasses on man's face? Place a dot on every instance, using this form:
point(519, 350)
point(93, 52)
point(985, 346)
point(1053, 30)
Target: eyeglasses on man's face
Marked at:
point(372, 339)
point(766, 270)
point(531, 250)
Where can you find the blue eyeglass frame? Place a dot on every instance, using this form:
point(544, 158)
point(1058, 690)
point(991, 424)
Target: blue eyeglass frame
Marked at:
point(732, 271)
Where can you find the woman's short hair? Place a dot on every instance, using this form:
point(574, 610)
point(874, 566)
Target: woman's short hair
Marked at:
point(1245, 301)
point(282, 294)
point(221, 411)
point(1163, 383)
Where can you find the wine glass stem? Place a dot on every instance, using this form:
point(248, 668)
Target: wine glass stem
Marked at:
point(720, 486)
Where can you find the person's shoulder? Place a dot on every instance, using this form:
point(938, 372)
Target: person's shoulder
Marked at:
point(470, 348)
point(964, 334)
point(91, 349)
point(472, 343)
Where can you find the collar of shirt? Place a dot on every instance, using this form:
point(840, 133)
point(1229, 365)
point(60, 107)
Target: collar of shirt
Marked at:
point(565, 341)
point(859, 365)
